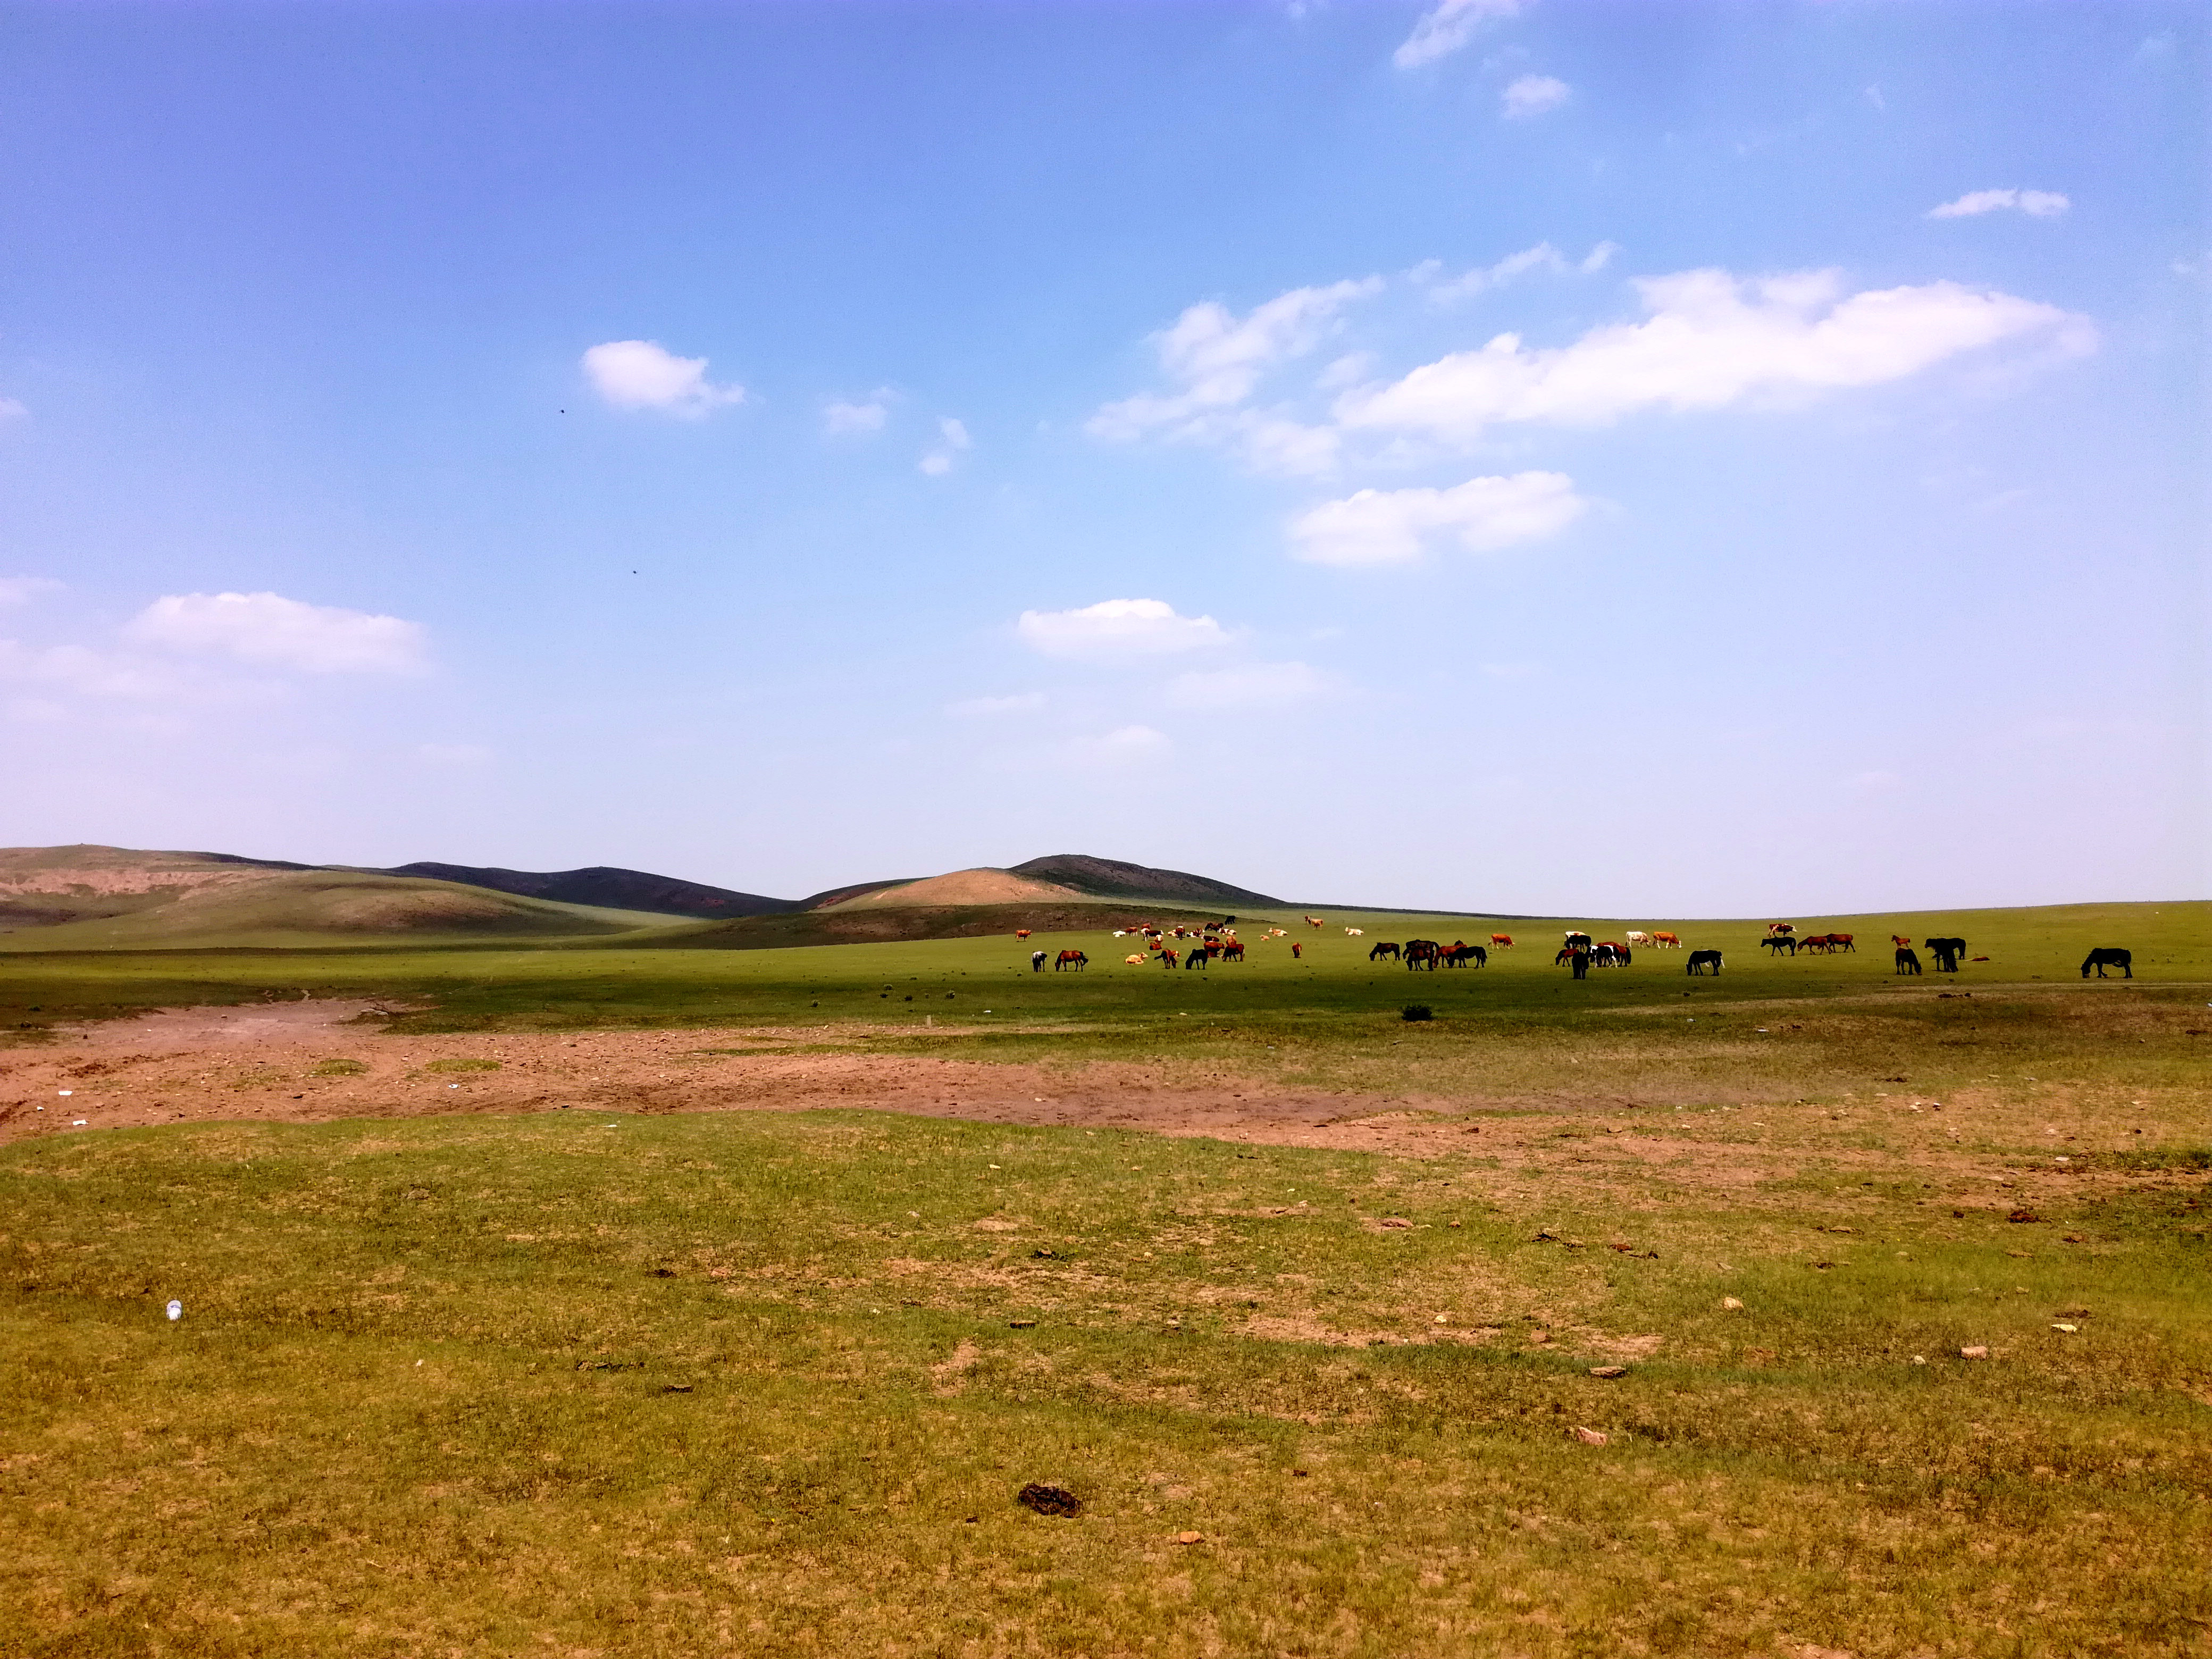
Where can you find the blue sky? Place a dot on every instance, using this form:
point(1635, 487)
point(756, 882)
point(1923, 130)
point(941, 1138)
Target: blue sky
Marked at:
point(1636, 459)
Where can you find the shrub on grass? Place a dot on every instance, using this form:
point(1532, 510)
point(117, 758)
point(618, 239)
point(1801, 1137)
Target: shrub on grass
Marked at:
point(462, 1066)
point(1417, 1011)
point(340, 1068)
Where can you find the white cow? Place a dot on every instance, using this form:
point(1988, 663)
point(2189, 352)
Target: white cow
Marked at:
point(1635, 938)
point(1354, 933)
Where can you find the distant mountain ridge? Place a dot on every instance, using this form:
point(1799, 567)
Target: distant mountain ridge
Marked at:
point(607, 887)
point(1111, 878)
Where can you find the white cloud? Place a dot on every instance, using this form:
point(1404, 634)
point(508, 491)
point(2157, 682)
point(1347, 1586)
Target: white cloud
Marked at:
point(1117, 628)
point(276, 632)
point(983, 707)
point(85, 673)
point(1532, 94)
point(1216, 358)
point(22, 590)
point(1253, 685)
point(1394, 527)
point(12, 410)
point(938, 462)
point(1543, 256)
point(2036, 204)
point(1450, 27)
point(1712, 339)
point(843, 420)
point(644, 374)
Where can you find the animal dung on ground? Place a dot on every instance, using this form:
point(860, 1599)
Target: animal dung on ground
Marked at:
point(2023, 1215)
point(1049, 1500)
point(1590, 1437)
point(1021, 1324)
point(1608, 1371)
point(1979, 1351)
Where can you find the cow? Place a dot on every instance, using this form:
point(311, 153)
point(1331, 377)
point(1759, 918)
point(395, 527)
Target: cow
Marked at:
point(1384, 949)
point(1501, 941)
point(1907, 962)
point(1074, 959)
point(1947, 953)
point(1278, 932)
point(1461, 954)
point(2105, 957)
point(1578, 941)
point(1609, 955)
point(1422, 953)
point(1781, 926)
point(1354, 933)
point(1700, 960)
point(1315, 922)
point(1779, 943)
point(1232, 951)
point(1136, 961)
point(1021, 932)
point(1037, 961)
point(1665, 941)
point(1636, 938)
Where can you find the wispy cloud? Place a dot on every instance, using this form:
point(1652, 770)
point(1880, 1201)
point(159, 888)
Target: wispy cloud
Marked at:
point(1397, 526)
point(1117, 628)
point(1710, 339)
point(2036, 204)
point(271, 631)
point(1116, 751)
point(644, 374)
point(954, 438)
point(1532, 94)
point(1483, 278)
point(22, 590)
point(1444, 31)
point(858, 419)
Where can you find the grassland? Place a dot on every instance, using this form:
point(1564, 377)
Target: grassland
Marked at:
point(621, 1384)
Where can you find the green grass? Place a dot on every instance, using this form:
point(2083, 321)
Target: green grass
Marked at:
point(576, 1383)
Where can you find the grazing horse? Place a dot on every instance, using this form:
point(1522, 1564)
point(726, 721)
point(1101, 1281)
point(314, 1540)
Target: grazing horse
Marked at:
point(1842, 942)
point(1701, 960)
point(1947, 953)
point(1074, 959)
point(1665, 941)
point(1385, 949)
point(1195, 957)
point(1779, 943)
point(2105, 957)
point(1232, 951)
point(1462, 953)
point(1816, 943)
point(1501, 941)
point(1907, 962)
point(1422, 953)
point(1037, 961)
point(1580, 961)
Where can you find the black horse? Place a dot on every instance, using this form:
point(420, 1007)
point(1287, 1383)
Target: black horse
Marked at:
point(1907, 962)
point(1947, 953)
point(1701, 960)
point(2105, 957)
point(1461, 954)
point(1779, 943)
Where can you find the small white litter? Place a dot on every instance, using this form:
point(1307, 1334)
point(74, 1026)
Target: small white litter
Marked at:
point(65, 1093)
point(79, 1122)
point(176, 1311)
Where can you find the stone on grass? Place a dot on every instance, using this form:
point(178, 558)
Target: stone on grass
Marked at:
point(1590, 1437)
point(1608, 1371)
point(1190, 1538)
point(1733, 1303)
point(1979, 1351)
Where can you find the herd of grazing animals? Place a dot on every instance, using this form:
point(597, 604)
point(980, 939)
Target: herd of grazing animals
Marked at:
point(1217, 939)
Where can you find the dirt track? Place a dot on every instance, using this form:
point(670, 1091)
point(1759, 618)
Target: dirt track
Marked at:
point(259, 1063)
